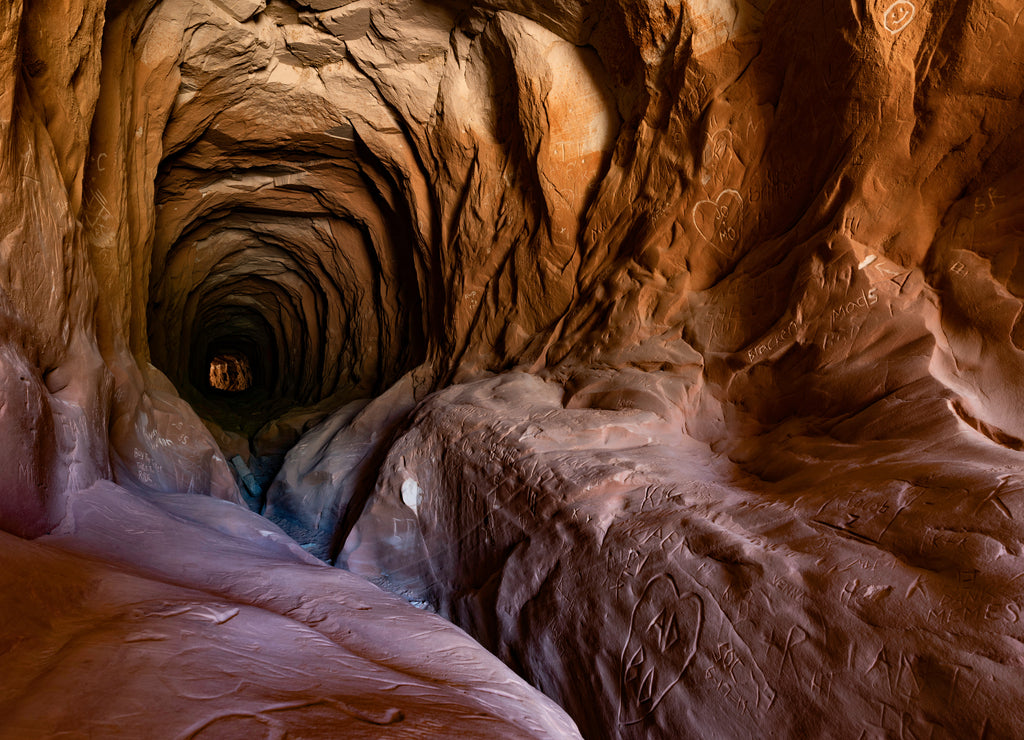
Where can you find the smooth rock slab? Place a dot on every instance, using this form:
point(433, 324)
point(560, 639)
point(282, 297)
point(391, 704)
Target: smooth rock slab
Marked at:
point(184, 616)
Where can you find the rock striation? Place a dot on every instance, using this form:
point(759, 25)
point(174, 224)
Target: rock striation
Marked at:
point(671, 351)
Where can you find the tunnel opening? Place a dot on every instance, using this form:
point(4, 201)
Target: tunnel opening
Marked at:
point(314, 288)
point(230, 372)
point(321, 308)
point(290, 270)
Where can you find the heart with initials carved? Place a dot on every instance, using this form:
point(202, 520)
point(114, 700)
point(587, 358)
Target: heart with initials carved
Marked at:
point(718, 217)
point(663, 634)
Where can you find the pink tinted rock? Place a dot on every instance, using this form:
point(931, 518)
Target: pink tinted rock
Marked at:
point(183, 614)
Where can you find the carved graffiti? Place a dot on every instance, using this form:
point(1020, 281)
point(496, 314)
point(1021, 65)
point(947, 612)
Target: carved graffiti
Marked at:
point(717, 221)
point(717, 155)
point(773, 342)
point(899, 15)
point(866, 300)
point(664, 630)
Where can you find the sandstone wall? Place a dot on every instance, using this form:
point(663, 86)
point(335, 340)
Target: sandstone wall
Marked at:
point(672, 350)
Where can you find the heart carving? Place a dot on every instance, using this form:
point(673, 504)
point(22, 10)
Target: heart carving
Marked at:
point(663, 634)
point(717, 221)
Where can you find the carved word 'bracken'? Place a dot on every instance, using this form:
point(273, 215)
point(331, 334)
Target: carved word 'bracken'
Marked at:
point(773, 341)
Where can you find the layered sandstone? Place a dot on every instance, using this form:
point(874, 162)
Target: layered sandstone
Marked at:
point(669, 350)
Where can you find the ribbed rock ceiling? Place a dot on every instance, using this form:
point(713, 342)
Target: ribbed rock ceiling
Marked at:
point(672, 351)
point(280, 233)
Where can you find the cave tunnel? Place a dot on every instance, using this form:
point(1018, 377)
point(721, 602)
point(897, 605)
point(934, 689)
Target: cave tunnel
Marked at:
point(306, 270)
point(423, 368)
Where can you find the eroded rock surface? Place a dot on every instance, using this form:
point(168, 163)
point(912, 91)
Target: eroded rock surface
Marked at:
point(670, 350)
point(185, 616)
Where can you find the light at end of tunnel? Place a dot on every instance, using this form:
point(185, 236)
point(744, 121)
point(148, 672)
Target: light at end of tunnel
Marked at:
point(231, 372)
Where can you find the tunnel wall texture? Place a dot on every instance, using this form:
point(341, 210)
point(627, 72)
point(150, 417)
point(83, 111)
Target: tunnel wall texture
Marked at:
point(672, 350)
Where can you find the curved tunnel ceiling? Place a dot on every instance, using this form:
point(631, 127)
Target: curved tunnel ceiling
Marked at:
point(320, 192)
point(731, 336)
point(279, 234)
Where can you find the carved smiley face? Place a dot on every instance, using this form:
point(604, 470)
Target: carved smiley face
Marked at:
point(663, 635)
point(899, 15)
